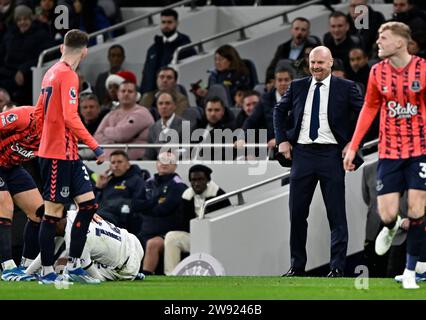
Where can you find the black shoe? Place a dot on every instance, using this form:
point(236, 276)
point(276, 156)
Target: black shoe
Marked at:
point(293, 272)
point(335, 273)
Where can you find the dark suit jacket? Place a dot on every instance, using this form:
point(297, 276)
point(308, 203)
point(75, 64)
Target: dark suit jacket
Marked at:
point(344, 105)
point(154, 136)
point(283, 52)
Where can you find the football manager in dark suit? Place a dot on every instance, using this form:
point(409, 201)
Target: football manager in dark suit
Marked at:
point(313, 124)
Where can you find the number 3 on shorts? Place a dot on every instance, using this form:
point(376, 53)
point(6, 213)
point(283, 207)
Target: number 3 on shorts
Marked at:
point(422, 172)
point(86, 174)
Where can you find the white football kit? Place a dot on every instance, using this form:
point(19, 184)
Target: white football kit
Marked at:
point(110, 253)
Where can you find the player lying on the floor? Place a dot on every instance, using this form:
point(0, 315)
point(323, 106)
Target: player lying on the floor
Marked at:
point(110, 253)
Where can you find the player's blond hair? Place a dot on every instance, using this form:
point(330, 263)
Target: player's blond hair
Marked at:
point(397, 28)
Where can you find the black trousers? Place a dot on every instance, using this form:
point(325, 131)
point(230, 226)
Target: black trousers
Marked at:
point(313, 163)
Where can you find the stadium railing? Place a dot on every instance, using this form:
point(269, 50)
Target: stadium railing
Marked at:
point(242, 30)
point(239, 192)
point(120, 25)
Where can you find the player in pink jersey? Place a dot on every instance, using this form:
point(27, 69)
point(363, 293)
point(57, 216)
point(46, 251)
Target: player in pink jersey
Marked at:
point(65, 177)
point(19, 140)
point(397, 87)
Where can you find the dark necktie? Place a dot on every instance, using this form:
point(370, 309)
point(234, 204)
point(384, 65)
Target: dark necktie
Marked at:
point(313, 129)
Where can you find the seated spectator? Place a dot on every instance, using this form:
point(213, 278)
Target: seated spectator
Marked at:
point(90, 17)
point(338, 39)
point(166, 81)
point(129, 123)
point(118, 188)
point(293, 49)
point(116, 56)
point(159, 209)
point(216, 118)
point(160, 54)
point(112, 83)
point(262, 116)
point(250, 100)
point(239, 96)
point(6, 16)
point(91, 113)
point(302, 65)
point(407, 12)
point(359, 69)
point(368, 35)
point(417, 45)
point(19, 51)
point(4, 98)
point(169, 120)
point(202, 189)
point(230, 71)
point(45, 13)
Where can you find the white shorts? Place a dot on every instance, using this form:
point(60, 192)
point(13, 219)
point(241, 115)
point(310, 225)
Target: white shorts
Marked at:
point(130, 268)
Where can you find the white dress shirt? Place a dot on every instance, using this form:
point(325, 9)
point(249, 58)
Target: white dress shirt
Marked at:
point(325, 136)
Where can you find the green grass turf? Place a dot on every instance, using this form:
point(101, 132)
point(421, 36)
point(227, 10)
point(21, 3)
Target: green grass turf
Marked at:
point(215, 288)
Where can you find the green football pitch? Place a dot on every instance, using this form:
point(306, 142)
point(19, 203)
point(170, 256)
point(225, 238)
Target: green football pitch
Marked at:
point(217, 288)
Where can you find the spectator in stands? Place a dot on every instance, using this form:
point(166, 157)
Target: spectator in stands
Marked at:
point(159, 209)
point(302, 65)
point(129, 123)
point(6, 16)
point(160, 54)
point(338, 39)
point(368, 35)
point(166, 81)
point(407, 12)
point(19, 51)
point(112, 83)
point(169, 120)
point(251, 99)
point(116, 56)
point(4, 98)
point(202, 189)
point(217, 116)
point(118, 188)
point(239, 96)
point(230, 71)
point(293, 49)
point(262, 117)
point(90, 17)
point(359, 69)
point(91, 113)
point(417, 45)
point(45, 13)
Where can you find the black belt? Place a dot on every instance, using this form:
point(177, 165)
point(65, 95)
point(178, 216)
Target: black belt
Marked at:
point(317, 146)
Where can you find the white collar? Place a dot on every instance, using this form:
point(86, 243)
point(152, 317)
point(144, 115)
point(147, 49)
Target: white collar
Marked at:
point(168, 122)
point(325, 82)
point(171, 38)
point(210, 192)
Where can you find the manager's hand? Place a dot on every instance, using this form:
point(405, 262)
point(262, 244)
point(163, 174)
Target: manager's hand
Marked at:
point(285, 148)
point(348, 160)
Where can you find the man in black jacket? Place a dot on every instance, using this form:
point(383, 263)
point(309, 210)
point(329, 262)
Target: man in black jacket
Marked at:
point(193, 199)
point(162, 199)
point(293, 49)
point(161, 52)
point(117, 190)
